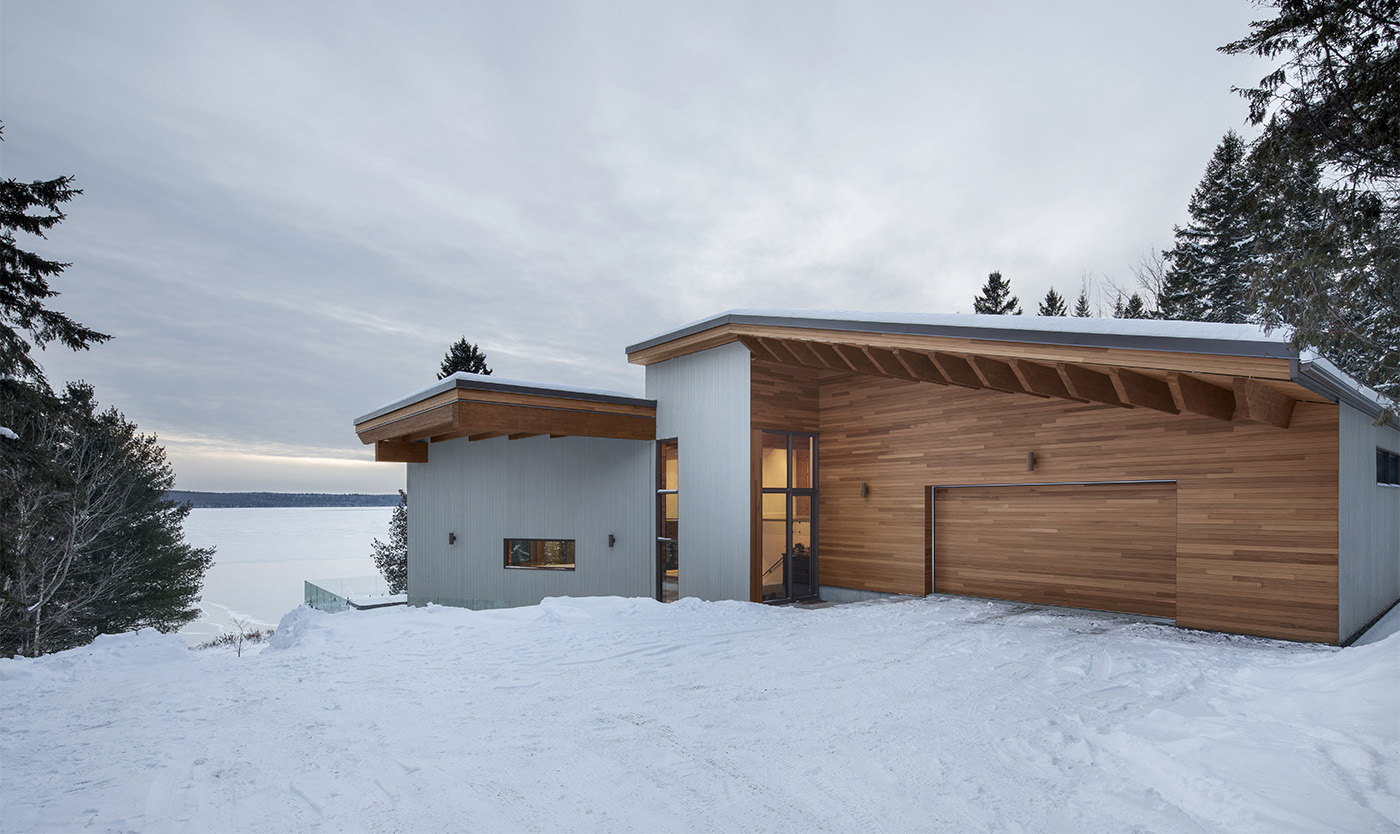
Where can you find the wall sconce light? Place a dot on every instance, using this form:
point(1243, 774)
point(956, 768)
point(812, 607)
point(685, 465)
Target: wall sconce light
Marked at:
point(864, 490)
point(1030, 461)
point(612, 540)
point(451, 538)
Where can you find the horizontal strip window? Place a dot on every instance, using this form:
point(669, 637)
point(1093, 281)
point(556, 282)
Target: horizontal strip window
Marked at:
point(1387, 467)
point(540, 554)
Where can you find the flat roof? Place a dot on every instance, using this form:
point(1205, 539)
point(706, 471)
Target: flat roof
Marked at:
point(1138, 334)
point(484, 382)
point(1247, 340)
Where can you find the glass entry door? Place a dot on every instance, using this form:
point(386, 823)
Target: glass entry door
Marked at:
point(789, 523)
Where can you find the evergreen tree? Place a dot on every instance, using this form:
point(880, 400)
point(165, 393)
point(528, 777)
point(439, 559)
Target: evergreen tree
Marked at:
point(1335, 92)
point(1207, 276)
point(33, 208)
point(1133, 308)
point(1325, 263)
point(93, 546)
point(391, 558)
point(996, 298)
point(88, 542)
point(1053, 304)
point(465, 357)
point(1328, 257)
point(1081, 306)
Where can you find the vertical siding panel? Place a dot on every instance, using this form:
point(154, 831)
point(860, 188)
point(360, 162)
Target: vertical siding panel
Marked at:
point(576, 488)
point(1369, 561)
point(702, 399)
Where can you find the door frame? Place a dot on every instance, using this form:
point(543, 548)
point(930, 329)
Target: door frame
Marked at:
point(757, 491)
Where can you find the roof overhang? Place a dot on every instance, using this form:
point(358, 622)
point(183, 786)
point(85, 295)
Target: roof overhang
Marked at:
point(478, 407)
point(1228, 372)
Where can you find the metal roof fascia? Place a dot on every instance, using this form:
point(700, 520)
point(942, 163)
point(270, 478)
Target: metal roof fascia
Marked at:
point(1322, 377)
point(1219, 347)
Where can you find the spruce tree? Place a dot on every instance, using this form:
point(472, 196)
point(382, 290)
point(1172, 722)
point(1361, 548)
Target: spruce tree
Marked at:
point(996, 298)
point(1133, 308)
point(465, 357)
point(391, 557)
point(33, 208)
point(1081, 306)
point(1327, 258)
point(1053, 304)
point(1207, 278)
point(1325, 263)
point(88, 542)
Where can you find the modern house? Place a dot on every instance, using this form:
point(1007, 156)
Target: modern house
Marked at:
point(1209, 474)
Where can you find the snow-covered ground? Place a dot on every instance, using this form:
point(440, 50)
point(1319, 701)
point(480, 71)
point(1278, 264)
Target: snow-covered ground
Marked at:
point(939, 714)
point(263, 555)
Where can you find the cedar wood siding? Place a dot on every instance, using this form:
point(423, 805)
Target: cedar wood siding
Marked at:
point(1257, 506)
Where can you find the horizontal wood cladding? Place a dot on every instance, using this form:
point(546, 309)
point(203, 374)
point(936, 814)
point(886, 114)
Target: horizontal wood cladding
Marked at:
point(1105, 546)
point(1256, 505)
point(1160, 360)
point(785, 397)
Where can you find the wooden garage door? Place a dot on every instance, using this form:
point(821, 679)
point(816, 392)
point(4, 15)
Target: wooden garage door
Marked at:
point(1110, 547)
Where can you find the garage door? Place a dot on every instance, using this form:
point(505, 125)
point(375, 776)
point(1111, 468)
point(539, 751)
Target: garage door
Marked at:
point(1110, 547)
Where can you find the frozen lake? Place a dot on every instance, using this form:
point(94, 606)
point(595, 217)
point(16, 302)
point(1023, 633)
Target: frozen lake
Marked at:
point(264, 555)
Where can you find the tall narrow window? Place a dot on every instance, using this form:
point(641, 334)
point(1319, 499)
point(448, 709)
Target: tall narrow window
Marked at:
point(667, 521)
point(788, 503)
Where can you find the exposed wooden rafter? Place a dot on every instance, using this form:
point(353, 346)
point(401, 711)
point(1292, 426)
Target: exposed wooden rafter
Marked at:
point(1200, 397)
point(887, 362)
point(956, 370)
point(1086, 384)
point(1043, 380)
point(393, 451)
point(1143, 391)
point(1256, 402)
point(998, 375)
point(1123, 387)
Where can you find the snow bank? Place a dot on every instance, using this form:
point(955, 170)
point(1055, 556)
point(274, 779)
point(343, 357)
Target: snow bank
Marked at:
point(628, 715)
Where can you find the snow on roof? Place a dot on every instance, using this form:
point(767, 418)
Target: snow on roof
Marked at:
point(485, 382)
point(1193, 336)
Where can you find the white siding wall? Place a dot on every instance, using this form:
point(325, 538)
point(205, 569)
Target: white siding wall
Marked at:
point(540, 488)
point(702, 400)
point(1369, 524)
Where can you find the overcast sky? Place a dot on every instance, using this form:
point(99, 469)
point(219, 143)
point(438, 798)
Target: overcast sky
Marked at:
point(291, 209)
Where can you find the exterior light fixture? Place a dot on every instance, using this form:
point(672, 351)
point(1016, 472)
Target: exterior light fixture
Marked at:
point(612, 540)
point(864, 490)
point(451, 538)
point(1030, 461)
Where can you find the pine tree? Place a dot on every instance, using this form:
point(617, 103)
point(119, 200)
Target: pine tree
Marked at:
point(1053, 304)
point(391, 558)
point(996, 298)
point(1207, 278)
point(1081, 306)
point(464, 357)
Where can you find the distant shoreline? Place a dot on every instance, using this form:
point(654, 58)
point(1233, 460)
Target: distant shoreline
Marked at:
point(219, 500)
